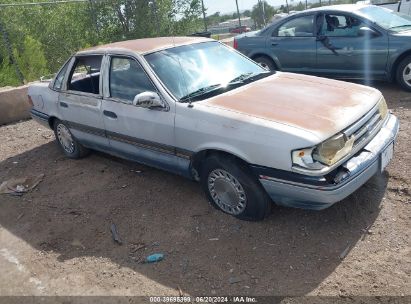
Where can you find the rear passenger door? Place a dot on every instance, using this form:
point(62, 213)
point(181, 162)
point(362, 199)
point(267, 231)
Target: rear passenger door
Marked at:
point(293, 43)
point(142, 134)
point(80, 101)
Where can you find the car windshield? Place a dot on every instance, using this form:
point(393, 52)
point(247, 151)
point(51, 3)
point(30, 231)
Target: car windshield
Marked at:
point(193, 71)
point(386, 18)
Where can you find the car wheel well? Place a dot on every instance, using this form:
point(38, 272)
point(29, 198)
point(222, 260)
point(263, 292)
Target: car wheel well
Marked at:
point(51, 121)
point(397, 63)
point(198, 159)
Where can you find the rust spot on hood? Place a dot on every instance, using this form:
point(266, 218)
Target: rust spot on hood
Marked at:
point(321, 106)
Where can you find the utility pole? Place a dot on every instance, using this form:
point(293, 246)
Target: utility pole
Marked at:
point(10, 52)
point(204, 15)
point(262, 10)
point(263, 4)
point(238, 13)
point(93, 17)
point(306, 4)
point(156, 16)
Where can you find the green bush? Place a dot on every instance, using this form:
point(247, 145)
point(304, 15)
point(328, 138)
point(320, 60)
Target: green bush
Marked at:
point(8, 75)
point(31, 59)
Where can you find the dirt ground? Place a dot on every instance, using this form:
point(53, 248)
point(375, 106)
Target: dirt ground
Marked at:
point(56, 240)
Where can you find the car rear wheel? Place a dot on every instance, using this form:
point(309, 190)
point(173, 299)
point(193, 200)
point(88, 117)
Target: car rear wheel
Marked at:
point(231, 188)
point(265, 62)
point(66, 141)
point(404, 73)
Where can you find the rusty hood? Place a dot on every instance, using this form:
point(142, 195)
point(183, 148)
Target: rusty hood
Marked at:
point(318, 105)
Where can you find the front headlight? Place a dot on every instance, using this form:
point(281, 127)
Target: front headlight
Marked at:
point(382, 108)
point(304, 158)
point(332, 150)
point(327, 153)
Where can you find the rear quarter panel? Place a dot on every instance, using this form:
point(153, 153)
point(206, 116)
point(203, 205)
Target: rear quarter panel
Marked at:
point(250, 46)
point(45, 100)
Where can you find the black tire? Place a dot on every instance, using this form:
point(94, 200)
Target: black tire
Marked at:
point(71, 148)
point(240, 181)
point(403, 70)
point(265, 62)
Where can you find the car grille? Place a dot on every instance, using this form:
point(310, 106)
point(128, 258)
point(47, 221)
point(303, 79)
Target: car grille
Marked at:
point(365, 128)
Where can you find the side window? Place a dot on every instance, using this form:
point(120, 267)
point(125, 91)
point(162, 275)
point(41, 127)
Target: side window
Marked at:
point(341, 26)
point(297, 27)
point(85, 75)
point(58, 83)
point(127, 79)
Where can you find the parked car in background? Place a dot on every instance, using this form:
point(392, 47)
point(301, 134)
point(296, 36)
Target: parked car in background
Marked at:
point(342, 41)
point(195, 107)
point(240, 29)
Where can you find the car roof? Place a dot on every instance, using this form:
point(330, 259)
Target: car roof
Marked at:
point(146, 45)
point(339, 7)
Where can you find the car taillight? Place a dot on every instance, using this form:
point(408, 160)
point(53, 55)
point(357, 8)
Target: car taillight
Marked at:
point(235, 44)
point(30, 101)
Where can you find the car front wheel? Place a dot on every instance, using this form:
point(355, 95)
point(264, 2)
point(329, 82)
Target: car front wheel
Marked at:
point(231, 188)
point(66, 141)
point(404, 73)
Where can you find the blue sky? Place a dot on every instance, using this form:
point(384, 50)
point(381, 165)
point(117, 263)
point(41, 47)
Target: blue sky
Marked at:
point(225, 6)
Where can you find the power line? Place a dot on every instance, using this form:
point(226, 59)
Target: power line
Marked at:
point(41, 3)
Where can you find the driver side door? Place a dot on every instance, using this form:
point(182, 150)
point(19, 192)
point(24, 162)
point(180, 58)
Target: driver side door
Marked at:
point(136, 132)
point(350, 52)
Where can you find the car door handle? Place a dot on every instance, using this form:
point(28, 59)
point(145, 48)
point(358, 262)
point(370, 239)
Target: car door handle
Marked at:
point(63, 104)
point(110, 114)
point(274, 43)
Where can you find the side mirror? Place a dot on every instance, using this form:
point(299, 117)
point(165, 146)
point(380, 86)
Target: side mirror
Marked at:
point(365, 31)
point(148, 100)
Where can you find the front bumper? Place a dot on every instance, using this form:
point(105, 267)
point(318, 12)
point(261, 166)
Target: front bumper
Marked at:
point(306, 192)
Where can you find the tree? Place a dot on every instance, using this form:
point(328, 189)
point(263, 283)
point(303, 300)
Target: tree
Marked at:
point(43, 37)
point(262, 13)
point(247, 13)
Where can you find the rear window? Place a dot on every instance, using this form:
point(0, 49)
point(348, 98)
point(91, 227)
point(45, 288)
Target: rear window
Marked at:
point(85, 75)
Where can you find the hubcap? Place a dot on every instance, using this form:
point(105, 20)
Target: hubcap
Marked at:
point(406, 74)
point(65, 138)
point(227, 192)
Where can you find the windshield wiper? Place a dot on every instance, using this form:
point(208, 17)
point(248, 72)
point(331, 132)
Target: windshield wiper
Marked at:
point(200, 92)
point(248, 77)
point(238, 81)
point(242, 77)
